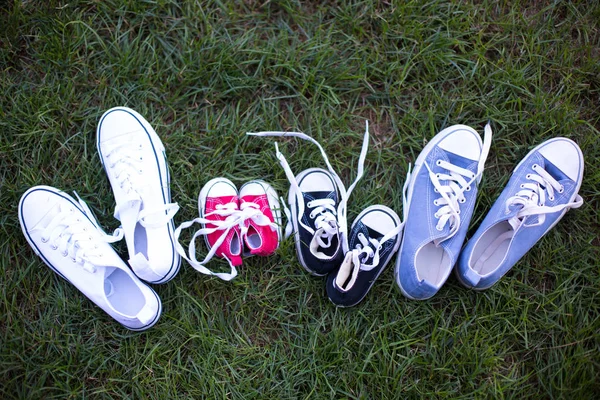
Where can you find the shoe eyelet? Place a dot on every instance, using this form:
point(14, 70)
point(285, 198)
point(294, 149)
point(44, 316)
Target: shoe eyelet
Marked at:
point(140, 171)
point(438, 229)
point(435, 190)
point(534, 166)
point(53, 247)
point(468, 189)
point(73, 260)
point(473, 176)
point(438, 162)
point(140, 146)
point(550, 198)
point(437, 176)
point(528, 176)
point(562, 189)
point(141, 159)
point(462, 201)
point(436, 215)
point(71, 209)
point(91, 238)
point(435, 202)
point(458, 212)
point(522, 186)
point(44, 240)
point(65, 253)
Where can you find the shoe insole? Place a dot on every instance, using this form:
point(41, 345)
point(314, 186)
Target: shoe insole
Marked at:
point(141, 240)
point(123, 294)
point(253, 238)
point(491, 248)
point(432, 264)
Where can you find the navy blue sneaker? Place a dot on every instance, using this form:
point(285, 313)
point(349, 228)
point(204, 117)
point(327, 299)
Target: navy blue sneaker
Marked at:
point(542, 188)
point(441, 197)
point(318, 200)
point(374, 238)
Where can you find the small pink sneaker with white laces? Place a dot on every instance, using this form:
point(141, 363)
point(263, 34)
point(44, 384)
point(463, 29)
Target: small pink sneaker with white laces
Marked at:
point(219, 201)
point(235, 223)
point(259, 236)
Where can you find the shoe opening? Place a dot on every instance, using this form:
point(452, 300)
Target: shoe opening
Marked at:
point(123, 294)
point(491, 248)
point(433, 264)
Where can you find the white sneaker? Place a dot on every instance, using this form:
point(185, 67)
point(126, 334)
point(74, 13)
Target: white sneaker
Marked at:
point(135, 162)
point(65, 234)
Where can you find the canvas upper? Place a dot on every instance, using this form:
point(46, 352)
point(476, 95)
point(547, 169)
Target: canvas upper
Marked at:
point(66, 236)
point(374, 238)
point(134, 160)
point(318, 201)
point(228, 217)
point(439, 206)
point(542, 188)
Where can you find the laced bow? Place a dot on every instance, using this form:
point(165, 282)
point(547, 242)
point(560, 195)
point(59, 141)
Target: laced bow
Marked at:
point(234, 217)
point(329, 221)
point(452, 195)
point(357, 259)
point(68, 233)
point(533, 195)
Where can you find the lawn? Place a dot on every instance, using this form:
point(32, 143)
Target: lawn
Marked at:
point(204, 73)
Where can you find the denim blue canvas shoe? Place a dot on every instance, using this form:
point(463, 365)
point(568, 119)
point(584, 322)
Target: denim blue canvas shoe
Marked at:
point(374, 239)
point(542, 188)
point(441, 196)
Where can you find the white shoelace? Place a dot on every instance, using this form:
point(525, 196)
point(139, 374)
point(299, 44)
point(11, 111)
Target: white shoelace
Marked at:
point(355, 260)
point(453, 193)
point(329, 221)
point(532, 198)
point(68, 233)
point(126, 165)
point(234, 216)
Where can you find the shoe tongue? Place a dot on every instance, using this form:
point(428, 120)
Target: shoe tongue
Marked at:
point(373, 234)
point(308, 196)
point(556, 173)
point(459, 161)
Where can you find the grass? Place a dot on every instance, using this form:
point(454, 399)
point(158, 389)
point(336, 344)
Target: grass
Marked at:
point(203, 73)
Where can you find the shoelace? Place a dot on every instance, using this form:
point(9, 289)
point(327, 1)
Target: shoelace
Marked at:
point(356, 259)
point(126, 165)
point(532, 198)
point(329, 220)
point(233, 217)
point(68, 233)
point(453, 193)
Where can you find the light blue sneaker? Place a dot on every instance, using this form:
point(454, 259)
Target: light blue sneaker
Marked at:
point(440, 201)
point(542, 188)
